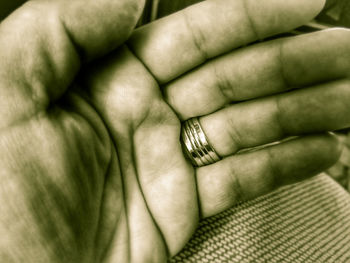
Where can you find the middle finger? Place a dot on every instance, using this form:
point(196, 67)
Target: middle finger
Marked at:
point(261, 70)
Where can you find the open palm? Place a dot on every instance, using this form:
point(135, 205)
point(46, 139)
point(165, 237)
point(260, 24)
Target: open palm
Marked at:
point(91, 164)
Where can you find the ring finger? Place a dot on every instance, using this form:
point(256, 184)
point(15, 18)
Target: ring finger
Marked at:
point(260, 121)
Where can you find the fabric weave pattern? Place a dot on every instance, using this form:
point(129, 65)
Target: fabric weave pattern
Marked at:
point(305, 222)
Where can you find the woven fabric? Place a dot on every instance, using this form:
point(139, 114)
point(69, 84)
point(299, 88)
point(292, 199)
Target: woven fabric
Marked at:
point(305, 222)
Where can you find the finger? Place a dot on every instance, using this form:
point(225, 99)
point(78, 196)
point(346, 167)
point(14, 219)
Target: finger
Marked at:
point(261, 121)
point(178, 43)
point(249, 175)
point(123, 102)
point(261, 70)
point(166, 179)
point(43, 43)
point(134, 110)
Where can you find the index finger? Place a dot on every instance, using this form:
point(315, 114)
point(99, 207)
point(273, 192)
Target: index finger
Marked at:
point(177, 43)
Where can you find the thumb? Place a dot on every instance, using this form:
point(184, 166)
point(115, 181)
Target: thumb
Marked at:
point(43, 43)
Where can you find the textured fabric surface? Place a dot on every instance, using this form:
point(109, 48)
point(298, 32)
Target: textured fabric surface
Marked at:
point(305, 222)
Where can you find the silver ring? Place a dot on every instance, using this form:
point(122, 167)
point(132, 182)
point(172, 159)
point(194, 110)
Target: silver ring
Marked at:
point(196, 145)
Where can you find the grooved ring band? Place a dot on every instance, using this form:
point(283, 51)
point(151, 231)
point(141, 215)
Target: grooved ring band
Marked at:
point(196, 145)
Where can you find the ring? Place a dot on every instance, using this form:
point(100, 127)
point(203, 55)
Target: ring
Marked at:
point(196, 145)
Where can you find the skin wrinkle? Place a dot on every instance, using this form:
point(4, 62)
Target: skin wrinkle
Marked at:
point(136, 121)
point(283, 133)
point(156, 119)
point(99, 255)
point(125, 171)
point(223, 84)
point(51, 230)
point(274, 169)
point(102, 164)
point(92, 183)
point(233, 132)
point(124, 205)
point(62, 202)
point(131, 50)
point(144, 118)
point(37, 92)
point(120, 161)
point(154, 174)
point(197, 36)
point(96, 123)
point(46, 228)
point(39, 183)
point(37, 83)
point(168, 98)
point(57, 33)
point(250, 19)
point(123, 22)
point(155, 223)
point(237, 189)
point(124, 184)
point(280, 58)
point(126, 210)
point(76, 47)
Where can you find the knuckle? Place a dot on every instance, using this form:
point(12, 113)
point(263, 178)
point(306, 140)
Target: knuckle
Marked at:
point(232, 130)
point(199, 39)
point(273, 168)
point(131, 10)
point(280, 116)
point(236, 185)
point(253, 26)
point(223, 83)
point(34, 11)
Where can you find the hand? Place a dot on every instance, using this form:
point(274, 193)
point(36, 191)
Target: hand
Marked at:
point(92, 170)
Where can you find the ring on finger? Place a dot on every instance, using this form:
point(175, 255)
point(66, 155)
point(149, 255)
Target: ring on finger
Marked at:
point(196, 145)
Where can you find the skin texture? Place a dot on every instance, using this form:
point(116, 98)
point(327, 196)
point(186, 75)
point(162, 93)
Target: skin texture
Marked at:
point(92, 168)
